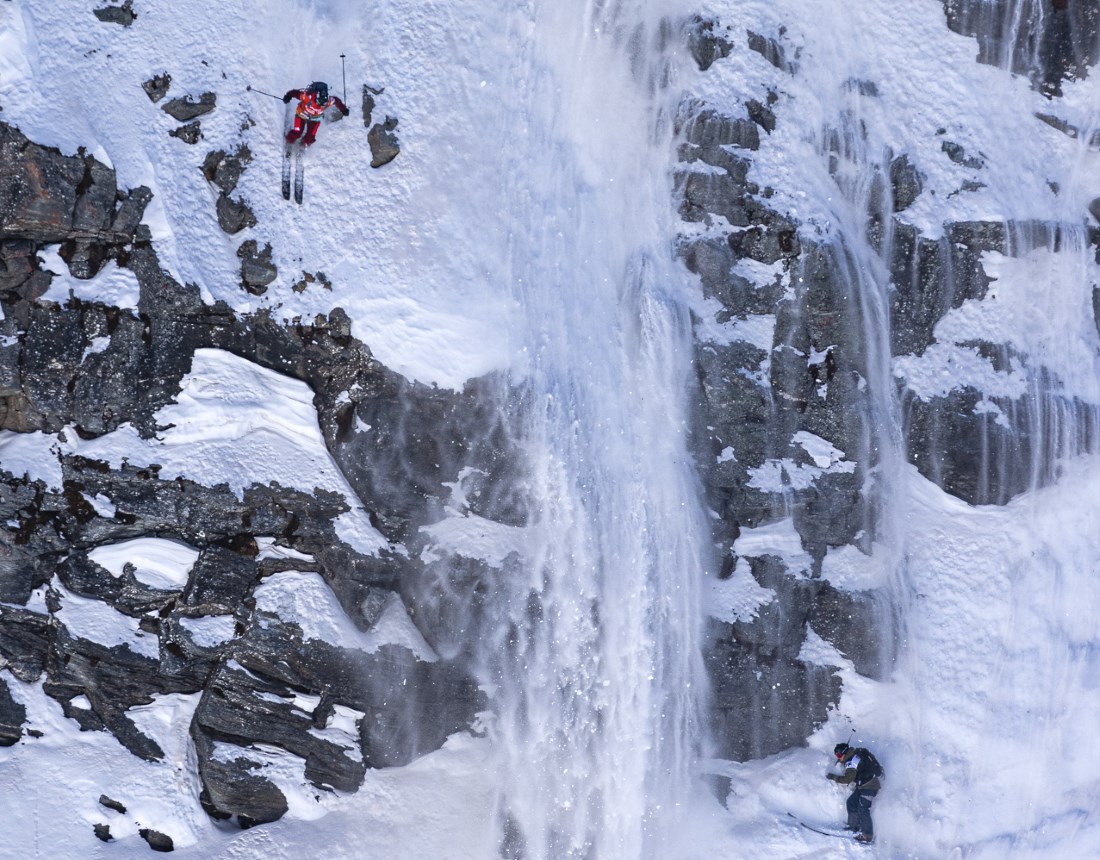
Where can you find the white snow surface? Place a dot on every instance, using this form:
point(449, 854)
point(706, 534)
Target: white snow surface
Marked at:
point(986, 728)
point(96, 621)
point(306, 600)
point(157, 562)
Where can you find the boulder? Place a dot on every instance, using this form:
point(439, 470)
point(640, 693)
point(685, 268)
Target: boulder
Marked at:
point(157, 86)
point(705, 44)
point(233, 215)
point(384, 145)
point(185, 108)
point(123, 14)
point(257, 270)
point(157, 840)
point(190, 133)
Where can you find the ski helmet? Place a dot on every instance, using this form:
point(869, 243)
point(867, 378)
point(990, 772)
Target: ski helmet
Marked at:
point(840, 749)
point(319, 90)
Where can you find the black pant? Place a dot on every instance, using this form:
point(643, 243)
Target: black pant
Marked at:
point(859, 810)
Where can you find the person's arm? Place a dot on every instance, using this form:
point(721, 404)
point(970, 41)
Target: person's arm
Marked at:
point(291, 94)
point(845, 778)
point(340, 105)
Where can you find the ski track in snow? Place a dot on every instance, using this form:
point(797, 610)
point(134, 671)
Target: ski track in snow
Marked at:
point(986, 730)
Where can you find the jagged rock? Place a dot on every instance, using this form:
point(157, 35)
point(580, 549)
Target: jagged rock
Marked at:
point(957, 153)
point(252, 706)
point(229, 785)
point(224, 169)
point(112, 680)
point(310, 278)
point(123, 14)
point(708, 129)
point(770, 50)
point(920, 270)
point(383, 142)
point(761, 115)
point(25, 639)
point(1049, 46)
point(157, 840)
point(1094, 210)
point(191, 133)
point(853, 622)
point(705, 45)
point(221, 578)
point(417, 438)
point(906, 182)
point(12, 716)
point(102, 832)
point(766, 699)
point(257, 270)
point(157, 86)
point(368, 102)
point(252, 699)
point(104, 800)
point(233, 215)
point(128, 216)
point(46, 197)
point(185, 108)
point(38, 189)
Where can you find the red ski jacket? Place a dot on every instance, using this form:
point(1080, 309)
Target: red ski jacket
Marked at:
point(310, 108)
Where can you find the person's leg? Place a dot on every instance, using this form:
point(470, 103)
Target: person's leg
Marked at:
point(296, 131)
point(866, 826)
point(853, 810)
point(311, 132)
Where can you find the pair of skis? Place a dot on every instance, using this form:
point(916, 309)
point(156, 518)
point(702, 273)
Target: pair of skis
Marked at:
point(292, 164)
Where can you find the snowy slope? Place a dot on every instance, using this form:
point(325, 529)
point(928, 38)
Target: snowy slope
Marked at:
point(986, 728)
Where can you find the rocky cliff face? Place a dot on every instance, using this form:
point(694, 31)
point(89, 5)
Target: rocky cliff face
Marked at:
point(790, 429)
point(790, 422)
point(267, 682)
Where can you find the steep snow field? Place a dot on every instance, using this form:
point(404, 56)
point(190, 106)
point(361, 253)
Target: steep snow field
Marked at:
point(986, 729)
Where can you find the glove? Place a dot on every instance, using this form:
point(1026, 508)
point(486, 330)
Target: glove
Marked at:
point(345, 111)
point(288, 96)
point(831, 777)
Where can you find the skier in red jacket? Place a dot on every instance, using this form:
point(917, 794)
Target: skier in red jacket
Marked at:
point(313, 101)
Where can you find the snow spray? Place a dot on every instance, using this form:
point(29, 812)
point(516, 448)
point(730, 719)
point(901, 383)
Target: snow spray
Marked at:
point(593, 662)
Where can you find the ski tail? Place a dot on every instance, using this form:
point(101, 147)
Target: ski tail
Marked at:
point(288, 157)
point(299, 176)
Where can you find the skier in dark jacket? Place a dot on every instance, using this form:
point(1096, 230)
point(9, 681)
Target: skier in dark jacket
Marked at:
point(313, 101)
point(863, 772)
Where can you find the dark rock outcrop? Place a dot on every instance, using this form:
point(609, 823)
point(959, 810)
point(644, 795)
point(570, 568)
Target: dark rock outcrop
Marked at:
point(123, 14)
point(368, 102)
point(1048, 41)
point(157, 841)
point(234, 215)
point(185, 108)
point(49, 382)
point(190, 133)
point(12, 716)
point(384, 145)
point(257, 270)
point(106, 801)
point(705, 44)
point(157, 86)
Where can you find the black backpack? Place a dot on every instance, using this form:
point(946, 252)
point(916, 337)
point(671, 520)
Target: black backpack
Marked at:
point(868, 767)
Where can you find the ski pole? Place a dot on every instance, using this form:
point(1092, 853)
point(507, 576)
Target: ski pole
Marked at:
point(252, 89)
point(344, 75)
